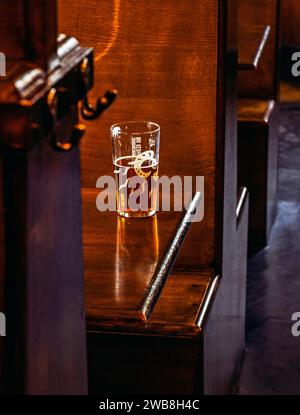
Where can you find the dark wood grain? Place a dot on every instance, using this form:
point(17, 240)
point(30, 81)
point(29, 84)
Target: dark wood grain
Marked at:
point(251, 44)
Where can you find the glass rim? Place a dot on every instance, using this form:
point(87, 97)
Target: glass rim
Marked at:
point(124, 123)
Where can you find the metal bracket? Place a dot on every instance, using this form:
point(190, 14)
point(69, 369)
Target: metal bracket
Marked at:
point(88, 111)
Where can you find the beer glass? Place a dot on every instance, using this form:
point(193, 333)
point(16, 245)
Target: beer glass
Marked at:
point(135, 153)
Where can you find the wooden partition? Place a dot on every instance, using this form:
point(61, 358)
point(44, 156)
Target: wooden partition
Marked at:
point(258, 91)
point(158, 78)
point(41, 262)
point(173, 63)
point(290, 18)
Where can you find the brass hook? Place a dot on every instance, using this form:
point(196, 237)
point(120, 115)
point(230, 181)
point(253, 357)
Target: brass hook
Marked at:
point(78, 130)
point(88, 111)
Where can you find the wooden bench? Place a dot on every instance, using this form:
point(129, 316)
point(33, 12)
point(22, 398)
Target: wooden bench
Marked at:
point(290, 84)
point(191, 338)
point(258, 113)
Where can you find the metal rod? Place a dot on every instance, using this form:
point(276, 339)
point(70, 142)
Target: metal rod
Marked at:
point(167, 263)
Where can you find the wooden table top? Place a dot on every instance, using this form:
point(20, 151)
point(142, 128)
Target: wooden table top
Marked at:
point(122, 257)
point(251, 43)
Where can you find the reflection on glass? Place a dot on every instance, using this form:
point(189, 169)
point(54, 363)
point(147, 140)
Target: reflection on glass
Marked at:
point(136, 255)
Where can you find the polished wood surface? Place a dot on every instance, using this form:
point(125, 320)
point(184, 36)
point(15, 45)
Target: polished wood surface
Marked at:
point(263, 82)
point(251, 43)
point(2, 273)
point(223, 328)
point(12, 35)
point(180, 71)
point(120, 270)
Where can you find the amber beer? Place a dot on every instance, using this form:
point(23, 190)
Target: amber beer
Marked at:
point(127, 185)
point(135, 159)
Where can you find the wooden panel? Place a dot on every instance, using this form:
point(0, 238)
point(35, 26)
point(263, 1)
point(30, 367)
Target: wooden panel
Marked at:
point(41, 28)
point(259, 173)
point(263, 82)
point(174, 70)
point(121, 256)
point(120, 268)
point(227, 318)
point(2, 271)
point(28, 30)
point(181, 298)
point(55, 334)
point(143, 365)
point(222, 343)
point(160, 78)
point(290, 20)
point(45, 345)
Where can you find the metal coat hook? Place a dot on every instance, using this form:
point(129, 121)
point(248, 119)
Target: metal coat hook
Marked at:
point(77, 132)
point(88, 111)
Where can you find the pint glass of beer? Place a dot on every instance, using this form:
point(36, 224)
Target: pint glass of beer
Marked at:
point(136, 157)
